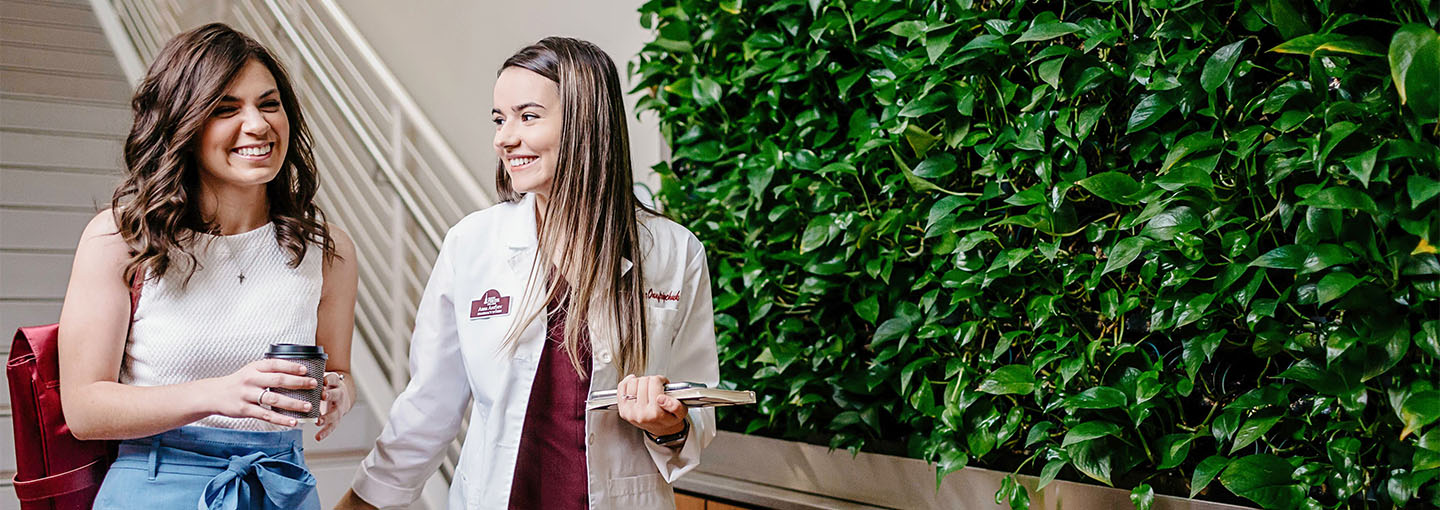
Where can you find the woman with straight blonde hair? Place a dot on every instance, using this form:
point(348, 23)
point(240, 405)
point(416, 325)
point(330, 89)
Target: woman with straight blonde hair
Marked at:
point(567, 287)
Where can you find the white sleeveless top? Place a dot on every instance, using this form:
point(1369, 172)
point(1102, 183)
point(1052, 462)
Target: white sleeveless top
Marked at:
point(219, 321)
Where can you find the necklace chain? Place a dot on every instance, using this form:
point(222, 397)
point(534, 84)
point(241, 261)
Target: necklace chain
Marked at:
point(235, 262)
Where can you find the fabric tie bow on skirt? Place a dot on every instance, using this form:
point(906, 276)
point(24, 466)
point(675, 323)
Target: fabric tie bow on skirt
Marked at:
point(265, 482)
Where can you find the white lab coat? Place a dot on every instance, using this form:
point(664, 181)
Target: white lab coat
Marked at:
point(455, 356)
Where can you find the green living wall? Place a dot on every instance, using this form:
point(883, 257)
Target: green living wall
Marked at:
point(1172, 246)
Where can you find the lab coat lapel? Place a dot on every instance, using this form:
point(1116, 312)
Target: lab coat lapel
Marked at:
point(522, 237)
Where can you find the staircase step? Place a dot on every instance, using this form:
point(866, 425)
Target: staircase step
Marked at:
point(7, 437)
point(14, 314)
point(42, 230)
point(23, 149)
point(35, 275)
point(49, 12)
point(24, 187)
point(44, 113)
point(29, 32)
point(28, 56)
point(50, 84)
point(114, 104)
point(12, 21)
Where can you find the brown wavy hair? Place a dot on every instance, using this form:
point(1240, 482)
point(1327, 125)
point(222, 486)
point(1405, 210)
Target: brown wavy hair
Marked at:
point(157, 207)
point(590, 216)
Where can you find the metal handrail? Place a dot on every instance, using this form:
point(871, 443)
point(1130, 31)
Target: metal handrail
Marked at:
point(388, 177)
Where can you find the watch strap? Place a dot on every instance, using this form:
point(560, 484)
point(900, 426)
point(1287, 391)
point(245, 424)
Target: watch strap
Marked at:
point(671, 439)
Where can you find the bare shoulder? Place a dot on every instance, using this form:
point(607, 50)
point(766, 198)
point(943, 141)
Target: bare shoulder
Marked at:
point(102, 235)
point(102, 224)
point(344, 246)
point(344, 259)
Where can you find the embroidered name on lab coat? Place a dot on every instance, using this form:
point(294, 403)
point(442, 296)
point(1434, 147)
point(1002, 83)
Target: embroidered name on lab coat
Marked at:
point(491, 304)
point(667, 300)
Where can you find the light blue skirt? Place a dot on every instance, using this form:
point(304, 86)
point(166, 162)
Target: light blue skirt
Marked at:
point(210, 468)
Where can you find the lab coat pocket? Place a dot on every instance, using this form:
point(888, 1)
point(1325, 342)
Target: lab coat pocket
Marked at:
point(662, 324)
point(629, 485)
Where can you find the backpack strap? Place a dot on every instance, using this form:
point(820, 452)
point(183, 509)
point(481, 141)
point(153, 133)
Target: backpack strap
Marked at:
point(75, 480)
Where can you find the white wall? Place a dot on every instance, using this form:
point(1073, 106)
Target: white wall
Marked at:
point(446, 53)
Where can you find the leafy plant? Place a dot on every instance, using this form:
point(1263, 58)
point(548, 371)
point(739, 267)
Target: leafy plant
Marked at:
point(1157, 244)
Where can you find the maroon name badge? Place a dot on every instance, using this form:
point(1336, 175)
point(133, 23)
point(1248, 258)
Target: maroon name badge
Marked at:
point(491, 304)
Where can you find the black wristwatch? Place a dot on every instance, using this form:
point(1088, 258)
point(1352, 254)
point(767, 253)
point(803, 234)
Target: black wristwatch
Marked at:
point(671, 440)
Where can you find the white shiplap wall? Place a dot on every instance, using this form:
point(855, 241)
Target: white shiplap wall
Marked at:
point(63, 117)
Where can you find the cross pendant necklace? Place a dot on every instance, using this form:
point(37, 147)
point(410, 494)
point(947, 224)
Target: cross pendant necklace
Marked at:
point(242, 268)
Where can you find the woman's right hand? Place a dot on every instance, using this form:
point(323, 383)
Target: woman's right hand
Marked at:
point(240, 394)
point(352, 502)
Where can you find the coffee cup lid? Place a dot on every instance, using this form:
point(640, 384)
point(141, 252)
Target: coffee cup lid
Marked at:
point(296, 350)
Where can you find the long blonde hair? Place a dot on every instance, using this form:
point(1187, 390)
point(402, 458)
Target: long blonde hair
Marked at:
point(590, 223)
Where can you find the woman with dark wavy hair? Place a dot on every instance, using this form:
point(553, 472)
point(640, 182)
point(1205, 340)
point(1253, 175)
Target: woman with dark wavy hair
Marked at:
point(216, 227)
point(567, 287)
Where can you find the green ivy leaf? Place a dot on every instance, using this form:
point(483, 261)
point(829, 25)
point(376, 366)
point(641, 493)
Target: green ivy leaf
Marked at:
point(1205, 472)
point(1253, 429)
point(1173, 450)
point(707, 91)
point(1112, 186)
point(935, 45)
point(927, 105)
point(940, 214)
point(1123, 253)
point(1314, 44)
point(1420, 409)
point(1049, 472)
point(1142, 496)
point(1089, 430)
point(1218, 67)
point(936, 166)
point(1148, 111)
point(910, 30)
point(1092, 459)
point(1009, 379)
point(893, 328)
point(1341, 198)
point(1428, 338)
point(1335, 285)
point(1421, 189)
point(1038, 433)
point(951, 460)
point(1285, 257)
point(1264, 479)
point(1047, 31)
point(868, 309)
point(1414, 57)
point(1100, 397)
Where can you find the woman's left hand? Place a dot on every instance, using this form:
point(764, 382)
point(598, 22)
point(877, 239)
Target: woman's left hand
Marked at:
point(337, 400)
point(644, 404)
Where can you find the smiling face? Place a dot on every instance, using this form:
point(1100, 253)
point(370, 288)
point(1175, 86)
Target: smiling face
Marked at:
point(527, 129)
point(243, 142)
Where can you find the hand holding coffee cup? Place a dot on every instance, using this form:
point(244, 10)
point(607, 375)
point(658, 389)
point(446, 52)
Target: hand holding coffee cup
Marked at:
point(249, 392)
point(313, 358)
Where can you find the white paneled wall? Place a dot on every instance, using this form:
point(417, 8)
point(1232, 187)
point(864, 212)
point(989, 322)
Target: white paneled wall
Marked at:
point(63, 117)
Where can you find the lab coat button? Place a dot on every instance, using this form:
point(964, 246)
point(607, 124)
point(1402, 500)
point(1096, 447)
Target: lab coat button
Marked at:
point(590, 440)
point(604, 356)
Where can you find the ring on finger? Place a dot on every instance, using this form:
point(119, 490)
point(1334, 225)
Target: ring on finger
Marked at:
point(630, 397)
point(261, 400)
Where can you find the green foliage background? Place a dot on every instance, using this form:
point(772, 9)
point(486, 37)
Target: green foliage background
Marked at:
point(1172, 246)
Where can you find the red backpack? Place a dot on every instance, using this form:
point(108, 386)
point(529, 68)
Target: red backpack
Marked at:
point(54, 470)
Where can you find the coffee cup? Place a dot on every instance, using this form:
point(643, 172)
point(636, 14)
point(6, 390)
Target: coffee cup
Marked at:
point(313, 357)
